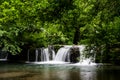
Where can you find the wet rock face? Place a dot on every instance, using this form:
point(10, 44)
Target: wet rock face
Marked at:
point(74, 54)
point(50, 48)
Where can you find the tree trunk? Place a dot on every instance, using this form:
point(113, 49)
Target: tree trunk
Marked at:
point(76, 36)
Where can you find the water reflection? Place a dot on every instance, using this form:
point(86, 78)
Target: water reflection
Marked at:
point(108, 73)
point(88, 73)
point(58, 72)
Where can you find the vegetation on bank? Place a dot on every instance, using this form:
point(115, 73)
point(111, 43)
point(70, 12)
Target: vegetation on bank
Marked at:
point(26, 24)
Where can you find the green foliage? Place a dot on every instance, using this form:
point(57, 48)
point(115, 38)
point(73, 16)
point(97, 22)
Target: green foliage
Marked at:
point(37, 23)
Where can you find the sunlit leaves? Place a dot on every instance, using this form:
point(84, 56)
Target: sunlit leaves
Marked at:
point(2, 33)
point(14, 49)
point(53, 34)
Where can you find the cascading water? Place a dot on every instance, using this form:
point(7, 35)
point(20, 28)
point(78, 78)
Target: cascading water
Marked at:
point(47, 55)
point(84, 59)
point(62, 54)
point(44, 54)
point(36, 55)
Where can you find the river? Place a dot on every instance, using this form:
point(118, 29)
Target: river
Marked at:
point(10, 71)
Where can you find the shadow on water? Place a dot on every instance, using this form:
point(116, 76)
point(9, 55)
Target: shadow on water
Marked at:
point(57, 72)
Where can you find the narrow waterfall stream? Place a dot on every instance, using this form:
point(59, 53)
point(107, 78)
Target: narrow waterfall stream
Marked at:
point(85, 60)
point(44, 54)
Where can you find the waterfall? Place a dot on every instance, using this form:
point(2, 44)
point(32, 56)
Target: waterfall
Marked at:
point(44, 54)
point(62, 54)
point(36, 55)
point(65, 54)
point(84, 58)
point(81, 49)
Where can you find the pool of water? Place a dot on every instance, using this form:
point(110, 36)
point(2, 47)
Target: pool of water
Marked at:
point(10, 71)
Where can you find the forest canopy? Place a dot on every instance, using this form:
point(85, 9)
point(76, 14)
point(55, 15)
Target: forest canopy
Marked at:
point(36, 23)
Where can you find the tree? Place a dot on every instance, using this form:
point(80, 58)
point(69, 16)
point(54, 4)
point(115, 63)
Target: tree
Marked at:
point(100, 33)
point(77, 16)
point(17, 19)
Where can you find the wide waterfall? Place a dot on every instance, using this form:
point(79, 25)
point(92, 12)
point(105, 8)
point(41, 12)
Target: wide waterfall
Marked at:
point(65, 54)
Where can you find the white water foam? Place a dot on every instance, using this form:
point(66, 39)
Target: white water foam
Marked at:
point(49, 62)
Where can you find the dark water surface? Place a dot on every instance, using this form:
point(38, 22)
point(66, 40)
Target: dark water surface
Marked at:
point(58, 72)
